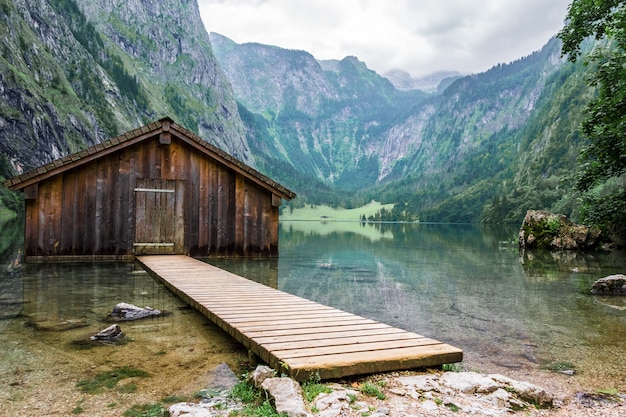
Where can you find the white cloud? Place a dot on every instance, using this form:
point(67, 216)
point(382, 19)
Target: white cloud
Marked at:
point(418, 36)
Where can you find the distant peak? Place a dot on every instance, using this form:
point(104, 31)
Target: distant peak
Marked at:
point(402, 80)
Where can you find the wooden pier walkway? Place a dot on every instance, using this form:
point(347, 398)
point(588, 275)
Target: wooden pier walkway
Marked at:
point(292, 334)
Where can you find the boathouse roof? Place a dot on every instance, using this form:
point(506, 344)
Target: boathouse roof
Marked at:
point(164, 126)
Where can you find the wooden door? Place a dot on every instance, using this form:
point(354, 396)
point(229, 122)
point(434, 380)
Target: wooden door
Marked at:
point(159, 217)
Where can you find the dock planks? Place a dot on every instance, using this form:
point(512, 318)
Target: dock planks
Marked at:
point(292, 334)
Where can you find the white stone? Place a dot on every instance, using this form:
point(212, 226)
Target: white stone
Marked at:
point(469, 382)
point(420, 382)
point(429, 405)
point(500, 398)
point(261, 373)
point(190, 410)
point(287, 396)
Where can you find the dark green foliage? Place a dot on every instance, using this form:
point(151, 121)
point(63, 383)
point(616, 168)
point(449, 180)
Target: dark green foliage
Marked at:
point(9, 200)
point(604, 156)
point(146, 410)
point(180, 105)
point(86, 34)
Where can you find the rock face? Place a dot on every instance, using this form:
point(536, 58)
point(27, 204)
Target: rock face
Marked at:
point(611, 285)
point(76, 73)
point(545, 230)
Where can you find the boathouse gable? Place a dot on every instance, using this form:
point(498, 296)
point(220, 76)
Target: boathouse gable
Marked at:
point(159, 189)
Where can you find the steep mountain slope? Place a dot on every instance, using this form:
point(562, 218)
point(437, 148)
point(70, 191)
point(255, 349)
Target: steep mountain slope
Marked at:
point(342, 124)
point(482, 146)
point(71, 77)
point(323, 118)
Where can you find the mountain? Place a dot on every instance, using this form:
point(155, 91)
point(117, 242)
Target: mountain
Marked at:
point(477, 147)
point(325, 119)
point(441, 156)
point(75, 73)
point(436, 82)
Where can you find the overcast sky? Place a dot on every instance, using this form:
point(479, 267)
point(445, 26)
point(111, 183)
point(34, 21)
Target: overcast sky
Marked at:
point(417, 36)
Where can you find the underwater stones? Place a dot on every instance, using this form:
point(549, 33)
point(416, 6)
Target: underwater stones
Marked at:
point(610, 285)
point(221, 378)
point(57, 325)
point(127, 312)
point(111, 334)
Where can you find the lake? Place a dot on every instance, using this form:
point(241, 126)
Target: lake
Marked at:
point(466, 285)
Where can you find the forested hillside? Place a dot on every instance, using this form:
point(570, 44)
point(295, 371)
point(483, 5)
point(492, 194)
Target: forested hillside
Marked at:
point(487, 147)
point(483, 147)
point(75, 73)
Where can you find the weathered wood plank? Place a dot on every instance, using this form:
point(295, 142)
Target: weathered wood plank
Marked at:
point(293, 334)
point(68, 215)
point(213, 209)
point(203, 208)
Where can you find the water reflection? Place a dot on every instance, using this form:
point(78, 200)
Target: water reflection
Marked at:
point(467, 285)
point(48, 312)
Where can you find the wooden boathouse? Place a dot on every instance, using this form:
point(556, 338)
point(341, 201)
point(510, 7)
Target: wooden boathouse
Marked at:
point(158, 189)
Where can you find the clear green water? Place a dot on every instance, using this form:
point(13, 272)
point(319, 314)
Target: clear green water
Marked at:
point(466, 285)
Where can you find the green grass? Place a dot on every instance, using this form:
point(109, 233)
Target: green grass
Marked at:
point(255, 403)
point(245, 392)
point(451, 367)
point(558, 366)
point(109, 379)
point(326, 213)
point(313, 387)
point(145, 410)
point(372, 390)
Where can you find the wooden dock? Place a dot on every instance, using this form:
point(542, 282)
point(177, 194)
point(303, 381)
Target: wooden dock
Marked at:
point(292, 334)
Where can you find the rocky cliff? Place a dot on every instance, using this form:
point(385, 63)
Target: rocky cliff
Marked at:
point(72, 76)
point(343, 123)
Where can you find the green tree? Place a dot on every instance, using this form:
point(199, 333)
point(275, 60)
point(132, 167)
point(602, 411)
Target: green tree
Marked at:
point(604, 157)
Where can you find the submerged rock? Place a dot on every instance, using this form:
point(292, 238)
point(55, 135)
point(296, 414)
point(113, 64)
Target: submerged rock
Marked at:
point(216, 400)
point(58, 326)
point(611, 285)
point(544, 230)
point(127, 312)
point(221, 378)
point(109, 335)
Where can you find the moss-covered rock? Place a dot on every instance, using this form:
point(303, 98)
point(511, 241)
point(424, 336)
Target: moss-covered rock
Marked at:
point(545, 230)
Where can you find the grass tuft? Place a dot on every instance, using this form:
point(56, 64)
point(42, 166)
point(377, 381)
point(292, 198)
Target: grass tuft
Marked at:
point(372, 390)
point(109, 379)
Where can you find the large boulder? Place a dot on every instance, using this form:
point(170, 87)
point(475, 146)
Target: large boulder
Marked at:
point(611, 285)
point(545, 230)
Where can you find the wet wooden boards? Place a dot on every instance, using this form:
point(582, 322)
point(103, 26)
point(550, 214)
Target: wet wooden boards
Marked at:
point(292, 334)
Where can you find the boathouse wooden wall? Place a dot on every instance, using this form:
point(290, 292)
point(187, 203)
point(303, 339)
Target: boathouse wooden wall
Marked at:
point(92, 209)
